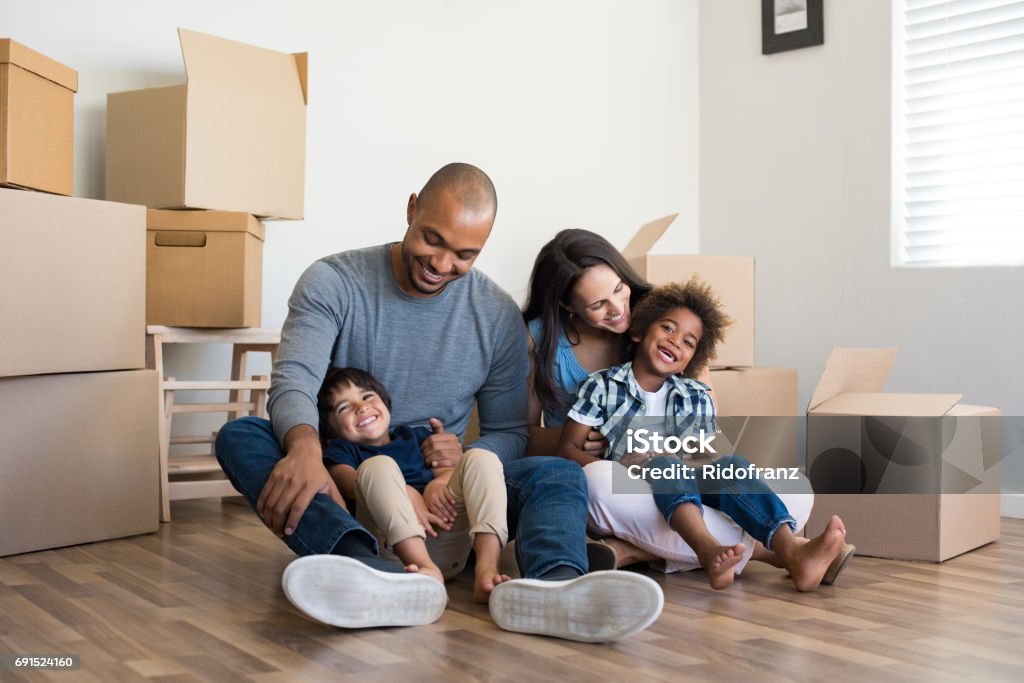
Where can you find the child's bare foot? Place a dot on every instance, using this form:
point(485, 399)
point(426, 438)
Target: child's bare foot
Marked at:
point(431, 570)
point(486, 579)
point(719, 561)
point(807, 562)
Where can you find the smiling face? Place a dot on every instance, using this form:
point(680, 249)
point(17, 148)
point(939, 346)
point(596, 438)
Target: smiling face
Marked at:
point(359, 416)
point(442, 242)
point(601, 299)
point(668, 344)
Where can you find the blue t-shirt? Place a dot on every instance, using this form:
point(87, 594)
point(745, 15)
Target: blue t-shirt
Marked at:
point(404, 449)
point(567, 374)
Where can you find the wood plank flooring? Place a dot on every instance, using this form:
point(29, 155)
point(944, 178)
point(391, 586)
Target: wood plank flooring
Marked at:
point(201, 601)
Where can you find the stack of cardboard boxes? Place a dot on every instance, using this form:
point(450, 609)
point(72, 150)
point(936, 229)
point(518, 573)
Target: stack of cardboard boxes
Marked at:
point(208, 157)
point(78, 438)
point(757, 406)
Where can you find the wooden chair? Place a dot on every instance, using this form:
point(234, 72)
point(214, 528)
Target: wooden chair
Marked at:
point(200, 476)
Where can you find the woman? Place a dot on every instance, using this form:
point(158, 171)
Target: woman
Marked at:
point(581, 295)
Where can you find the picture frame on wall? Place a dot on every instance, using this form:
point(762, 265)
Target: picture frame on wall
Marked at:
point(791, 24)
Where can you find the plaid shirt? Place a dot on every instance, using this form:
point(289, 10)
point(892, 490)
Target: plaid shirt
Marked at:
point(610, 400)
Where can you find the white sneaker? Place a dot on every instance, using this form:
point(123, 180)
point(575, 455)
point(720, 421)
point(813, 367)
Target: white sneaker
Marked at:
point(593, 608)
point(344, 592)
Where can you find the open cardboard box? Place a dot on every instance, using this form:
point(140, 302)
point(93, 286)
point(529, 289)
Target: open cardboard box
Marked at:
point(37, 112)
point(914, 476)
point(72, 284)
point(757, 414)
point(204, 268)
point(232, 138)
point(731, 278)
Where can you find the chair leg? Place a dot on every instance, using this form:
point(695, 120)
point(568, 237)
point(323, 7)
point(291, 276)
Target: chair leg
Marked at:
point(259, 398)
point(167, 405)
point(239, 354)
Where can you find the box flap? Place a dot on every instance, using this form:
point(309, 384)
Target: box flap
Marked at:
point(646, 237)
point(302, 64)
point(39, 64)
point(965, 410)
point(852, 370)
point(205, 221)
point(246, 123)
point(900, 405)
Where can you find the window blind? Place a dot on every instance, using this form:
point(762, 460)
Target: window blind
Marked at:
point(958, 133)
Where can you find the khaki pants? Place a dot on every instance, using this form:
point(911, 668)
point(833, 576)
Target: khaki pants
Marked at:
point(478, 484)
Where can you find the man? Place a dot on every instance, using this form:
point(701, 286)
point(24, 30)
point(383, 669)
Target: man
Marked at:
point(440, 336)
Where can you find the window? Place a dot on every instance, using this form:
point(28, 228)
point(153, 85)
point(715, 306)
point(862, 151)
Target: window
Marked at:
point(958, 133)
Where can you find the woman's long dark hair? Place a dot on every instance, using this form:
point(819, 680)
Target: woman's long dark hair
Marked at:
point(559, 266)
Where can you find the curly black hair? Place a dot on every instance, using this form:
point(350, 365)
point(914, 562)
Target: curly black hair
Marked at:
point(695, 295)
point(337, 377)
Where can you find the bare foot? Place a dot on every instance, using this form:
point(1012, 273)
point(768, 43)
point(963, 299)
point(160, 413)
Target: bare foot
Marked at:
point(719, 561)
point(807, 562)
point(627, 553)
point(486, 579)
point(762, 554)
point(431, 570)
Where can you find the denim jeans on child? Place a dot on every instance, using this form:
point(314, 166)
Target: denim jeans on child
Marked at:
point(748, 501)
point(547, 502)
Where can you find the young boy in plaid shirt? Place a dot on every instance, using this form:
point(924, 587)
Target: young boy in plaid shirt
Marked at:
point(675, 330)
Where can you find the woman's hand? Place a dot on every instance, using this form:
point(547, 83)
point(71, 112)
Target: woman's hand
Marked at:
point(595, 444)
point(571, 444)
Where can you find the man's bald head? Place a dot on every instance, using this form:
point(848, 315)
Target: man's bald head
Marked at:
point(466, 183)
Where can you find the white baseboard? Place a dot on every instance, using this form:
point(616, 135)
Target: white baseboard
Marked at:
point(1012, 505)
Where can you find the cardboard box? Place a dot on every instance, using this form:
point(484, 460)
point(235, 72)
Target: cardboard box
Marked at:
point(79, 459)
point(914, 476)
point(72, 284)
point(757, 414)
point(37, 103)
point(731, 278)
point(204, 269)
point(758, 391)
point(232, 138)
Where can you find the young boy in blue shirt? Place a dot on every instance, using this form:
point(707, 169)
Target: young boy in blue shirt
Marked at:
point(398, 498)
point(675, 329)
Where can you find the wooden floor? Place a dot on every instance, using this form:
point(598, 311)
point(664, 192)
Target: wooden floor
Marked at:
point(201, 600)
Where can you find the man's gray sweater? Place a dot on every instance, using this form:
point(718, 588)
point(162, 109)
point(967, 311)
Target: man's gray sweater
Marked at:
point(435, 356)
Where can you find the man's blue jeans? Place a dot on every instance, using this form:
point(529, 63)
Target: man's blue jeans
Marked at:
point(547, 501)
point(749, 502)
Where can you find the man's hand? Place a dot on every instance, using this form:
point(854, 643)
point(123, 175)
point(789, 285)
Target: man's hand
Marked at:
point(595, 444)
point(441, 449)
point(439, 499)
point(296, 478)
point(426, 518)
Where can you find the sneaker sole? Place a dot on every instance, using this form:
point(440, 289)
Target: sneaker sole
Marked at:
point(594, 608)
point(346, 593)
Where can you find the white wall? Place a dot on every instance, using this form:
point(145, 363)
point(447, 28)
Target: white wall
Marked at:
point(794, 169)
point(583, 113)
